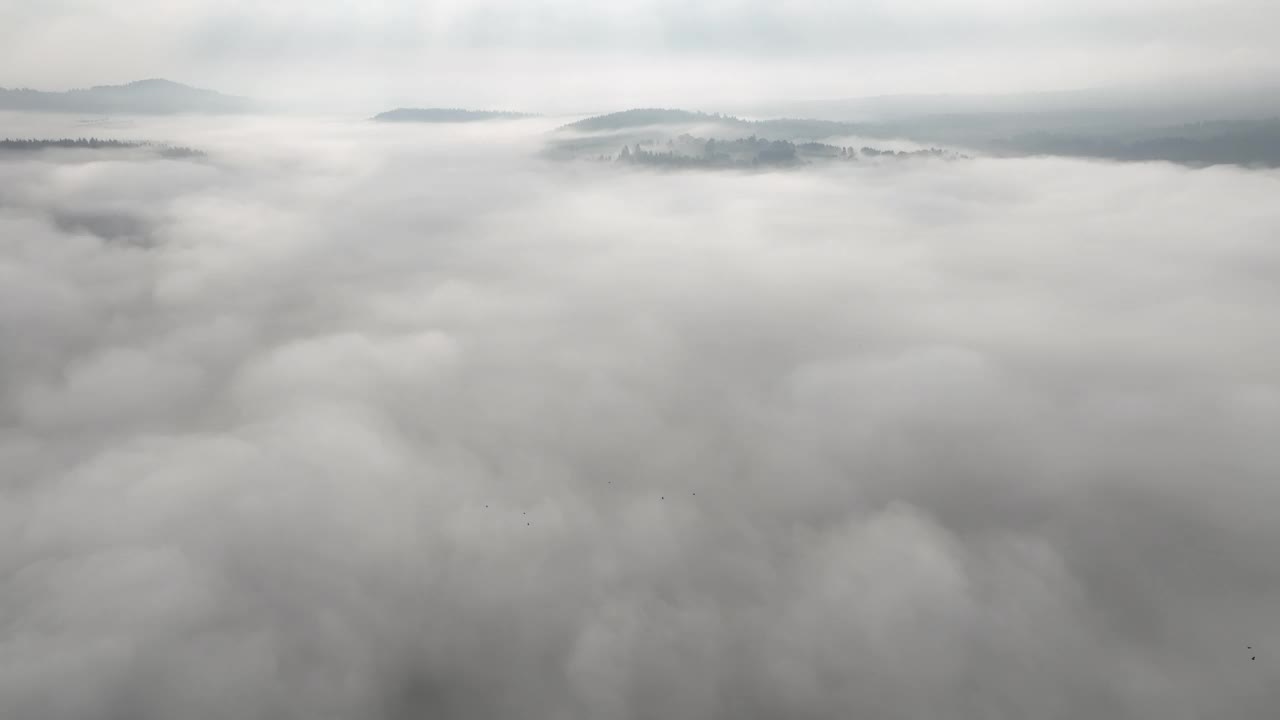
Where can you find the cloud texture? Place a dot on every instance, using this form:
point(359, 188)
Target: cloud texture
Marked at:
point(375, 422)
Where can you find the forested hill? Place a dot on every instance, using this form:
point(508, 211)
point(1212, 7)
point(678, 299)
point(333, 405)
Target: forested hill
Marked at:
point(776, 129)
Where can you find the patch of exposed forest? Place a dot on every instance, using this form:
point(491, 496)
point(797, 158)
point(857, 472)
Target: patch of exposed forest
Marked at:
point(161, 149)
point(687, 151)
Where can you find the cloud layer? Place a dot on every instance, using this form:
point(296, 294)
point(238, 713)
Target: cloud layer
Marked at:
point(568, 55)
point(400, 422)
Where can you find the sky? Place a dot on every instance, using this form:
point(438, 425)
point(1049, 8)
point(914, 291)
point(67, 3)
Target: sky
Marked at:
point(577, 55)
point(350, 420)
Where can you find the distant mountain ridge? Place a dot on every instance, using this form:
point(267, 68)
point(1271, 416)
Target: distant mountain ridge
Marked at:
point(446, 115)
point(143, 97)
point(1162, 104)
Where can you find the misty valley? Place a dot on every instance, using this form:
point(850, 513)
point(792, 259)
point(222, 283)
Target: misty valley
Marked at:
point(914, 407)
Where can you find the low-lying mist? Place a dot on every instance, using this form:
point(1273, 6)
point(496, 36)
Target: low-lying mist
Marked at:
point(349, 420)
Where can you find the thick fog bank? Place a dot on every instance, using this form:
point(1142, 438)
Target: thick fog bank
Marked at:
point(355, 421)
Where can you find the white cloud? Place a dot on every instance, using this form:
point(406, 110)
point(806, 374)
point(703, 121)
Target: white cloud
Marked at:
point(394, 422)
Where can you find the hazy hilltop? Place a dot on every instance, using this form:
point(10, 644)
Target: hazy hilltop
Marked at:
point(1143, 104)
point(1193, 125)
point(143, 97)
point(647, 117)
point(685, 139)
point(775, 129)
point(446, 115)
point(1198, 130)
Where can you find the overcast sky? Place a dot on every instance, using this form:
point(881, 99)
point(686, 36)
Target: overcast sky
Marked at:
point(575, 54)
